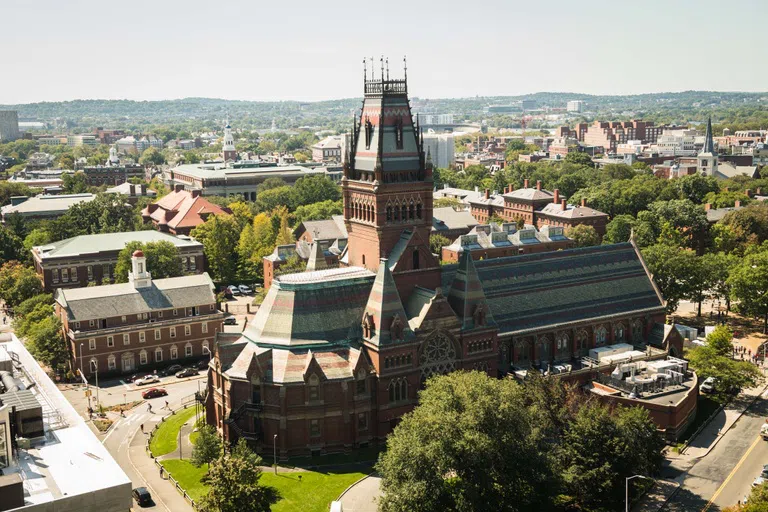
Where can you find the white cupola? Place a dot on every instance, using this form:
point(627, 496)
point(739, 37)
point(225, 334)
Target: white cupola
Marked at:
point(139, 277)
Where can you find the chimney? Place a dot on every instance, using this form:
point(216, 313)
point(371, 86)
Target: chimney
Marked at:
point(477, 189)
point(538, 184)
point(758, 191)
point(487, 193)
point(563, 205)
point(748, 193)
point(525, 183)
point(132, 189)
point(583, 202)
point(143, 189)
point(707, 207)
point(556, 198)
point(178, 188)
point(196, 192)
point(737, 204)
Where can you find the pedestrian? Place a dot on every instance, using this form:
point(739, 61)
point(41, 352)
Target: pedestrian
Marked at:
point(4, 319)
point(142, 428)
point(161, 473)
point(149, 408)
point(166, 405)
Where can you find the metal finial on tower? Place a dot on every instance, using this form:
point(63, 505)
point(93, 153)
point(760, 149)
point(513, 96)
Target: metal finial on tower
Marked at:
point(405, 68)
point(365, 71)
point(382, 67)
point(373, 69)
point(387, 68)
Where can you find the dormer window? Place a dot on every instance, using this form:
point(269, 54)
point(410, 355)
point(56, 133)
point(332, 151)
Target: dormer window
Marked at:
point(369, 329)
point(314, 388)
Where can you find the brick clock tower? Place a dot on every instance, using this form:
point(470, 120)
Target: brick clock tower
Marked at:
point(387, 187)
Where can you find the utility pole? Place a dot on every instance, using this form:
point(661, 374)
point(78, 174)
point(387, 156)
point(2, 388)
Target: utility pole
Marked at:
point(275, 451)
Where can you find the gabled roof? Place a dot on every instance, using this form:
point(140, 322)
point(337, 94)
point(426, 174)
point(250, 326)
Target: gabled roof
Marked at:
point(546, 290)
point(386, 309)
point(95, 302)
point(445, 219)
point(466, 294)
point(316, 259)
point(106, 242)
point(529, 194)
point(326, 229)
point(180, 209)
point(570, 212)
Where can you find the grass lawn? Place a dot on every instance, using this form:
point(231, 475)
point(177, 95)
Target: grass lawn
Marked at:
point(313, 494)
point(164, 440)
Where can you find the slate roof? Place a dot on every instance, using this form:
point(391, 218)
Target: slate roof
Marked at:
point(180, 209)
point(311, 308)
point(105, 242)
point(112, 300)
point(571, 211)
point(327, 229)
point(383, 306)
point(466, 293)
point(529, 194)
point(717, 214)
point(485, 236)
point(47, 205)
point(446, 219)
point(536, 291)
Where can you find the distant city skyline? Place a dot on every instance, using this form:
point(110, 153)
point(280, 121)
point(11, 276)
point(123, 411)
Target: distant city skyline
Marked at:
point(311, 51)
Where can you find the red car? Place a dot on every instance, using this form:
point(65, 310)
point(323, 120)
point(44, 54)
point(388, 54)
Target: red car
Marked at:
point(154, 393)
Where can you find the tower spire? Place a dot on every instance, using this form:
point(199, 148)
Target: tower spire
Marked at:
point(709, 143)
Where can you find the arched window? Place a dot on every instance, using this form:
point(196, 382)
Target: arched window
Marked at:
point(397, 213)
point(398, 390)
point(111, 362)
point(418, 210)
point(601, 336)
point(174, 352)
point(143, 357)
point(438, 356)
point(206, 349)
point(618, 332)
point(415, 259)
point(411, 210)
point(188, 350)
point(389, 213)
point(404, 212)
point(158, 354)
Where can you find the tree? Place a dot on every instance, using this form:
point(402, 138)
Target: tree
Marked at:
point(757, 501)
point(601, 449)
point(749, 286)
point(9, 189)
point(284, 233)
point(30, 304)
point(22, 324)
point(18, 283)
point(748, 224)
point(233, 482)
point(668, 265)
point(75, 183)
point(583, 235)
point(437, 242)
point(270, 183)
point(721, 341)
point(619, 229)
point(730, 374)
point(469, 445)
point(46, 342)
point(107, 213)
point(447, 202)
point(11, 246)
point(317, 211)
point(274, 198)
point(695, 187)
point(577, 157)
point(163, 260)
point(207, 446)
point(219, 235)
point(38, 236)
point(314, 189)
point(152, 157)
point(242, 213)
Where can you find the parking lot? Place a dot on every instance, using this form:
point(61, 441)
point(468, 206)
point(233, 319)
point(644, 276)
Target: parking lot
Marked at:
point(239, 307)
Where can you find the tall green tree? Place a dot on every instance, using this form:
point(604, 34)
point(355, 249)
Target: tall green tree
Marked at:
point(163, 260)
point(46, 343)
point(220, 235)
point(583, 235)
point(619, 229)
point(317, 211)
point(11, 246)
point(207, 446)
point(469, 445)
point(314, 189)
point(18, 283)
point(234, 484)
point(74, 183)
point(708, 361)
point(152, 157)
point(749, 285)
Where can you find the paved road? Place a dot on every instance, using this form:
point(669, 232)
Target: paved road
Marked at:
point(726, 473)
point(126, 442)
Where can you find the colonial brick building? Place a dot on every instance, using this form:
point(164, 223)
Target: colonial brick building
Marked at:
point(139, 325)
point(334, 357)
point(91, 259)
point(537, 207)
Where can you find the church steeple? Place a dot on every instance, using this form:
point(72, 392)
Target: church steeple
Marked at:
point(228, 151)
point(387, 184)
point(707, 158)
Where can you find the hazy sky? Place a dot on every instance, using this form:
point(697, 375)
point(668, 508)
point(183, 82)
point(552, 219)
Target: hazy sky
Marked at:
point(310, 50)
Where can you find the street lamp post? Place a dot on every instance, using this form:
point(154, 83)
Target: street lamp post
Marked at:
point(626, 489)
point(82, 374)
point(274, 443)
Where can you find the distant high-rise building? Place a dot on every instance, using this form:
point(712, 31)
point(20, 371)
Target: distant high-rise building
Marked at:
point(439, 146)
point(529, 104)
point(575, 106)
point(433, 119)
point(9, 125)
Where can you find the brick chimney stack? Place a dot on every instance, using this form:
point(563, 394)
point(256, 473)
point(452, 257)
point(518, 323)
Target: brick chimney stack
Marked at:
point(538, 184)
point(748, 193)
point(487, 194)
point(583, 202)
point(525, 183)
point(556, 198)
point(196, 192)
point(563, 205)
point(737, 204)
point(707, 207)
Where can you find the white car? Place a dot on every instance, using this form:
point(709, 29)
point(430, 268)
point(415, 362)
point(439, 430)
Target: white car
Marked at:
point(708, 386)
point(760, 480)
point(147, 379)
point(245, 290)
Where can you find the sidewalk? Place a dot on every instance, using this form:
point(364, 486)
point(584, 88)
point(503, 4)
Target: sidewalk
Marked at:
point(145, 466)
point(362, 496)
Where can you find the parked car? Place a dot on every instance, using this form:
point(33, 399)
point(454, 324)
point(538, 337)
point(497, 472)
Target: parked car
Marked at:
point(230, 320)
point(764, 431)
point(202, 364)
point(135, 377)
point(186, 372)
point(142, 496)
point(762, 477)
point(147, 379)
point(708, 386)
point(234, 290)
point(171, 370)
point(245, 290)
point(227, 292)
point(153, 393)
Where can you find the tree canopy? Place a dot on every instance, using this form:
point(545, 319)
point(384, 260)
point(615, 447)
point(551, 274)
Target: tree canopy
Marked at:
point(163, 260)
